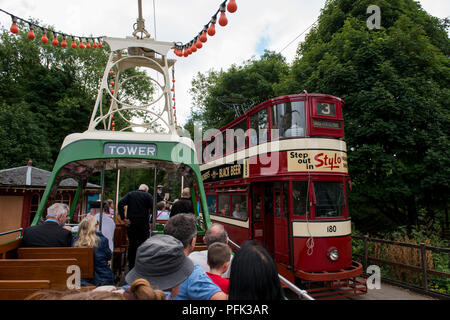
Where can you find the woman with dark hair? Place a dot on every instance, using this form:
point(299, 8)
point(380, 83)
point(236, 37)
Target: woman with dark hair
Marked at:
point(254, 275)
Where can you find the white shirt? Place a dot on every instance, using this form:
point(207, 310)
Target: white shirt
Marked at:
point(108, 228)
point(201, 258)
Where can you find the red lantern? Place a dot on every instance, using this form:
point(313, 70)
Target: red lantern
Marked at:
point(64, 43)
point(81, 45)
point(188, 51)
point(193, 48)
point(31, 35)
point(44, 38)
point(14, 28)
point(55, 41)
point(112, 91)
point(223, 19)
point(100, 44)
point(74, 44)
point(211, 29)
point(199, 44)
point(94, 44)
point(232, 6)
point(88, 45)
point(173, 80)
point(111, 72)
point(203, 37)
point(111, 83)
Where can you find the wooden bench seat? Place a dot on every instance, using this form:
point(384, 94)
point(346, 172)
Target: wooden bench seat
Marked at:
point(20, 289)
point(84, 256)
point(53, 270)
point(8, 250)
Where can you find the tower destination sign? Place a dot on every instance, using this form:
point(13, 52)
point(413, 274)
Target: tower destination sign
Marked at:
point(130, 149)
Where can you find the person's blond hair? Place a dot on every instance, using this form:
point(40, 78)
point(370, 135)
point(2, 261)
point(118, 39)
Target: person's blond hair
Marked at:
point(86, 233)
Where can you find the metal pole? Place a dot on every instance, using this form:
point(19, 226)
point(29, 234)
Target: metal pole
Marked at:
point(366, 253)
point(116, 206)
point(102, 178)
point(154, 201)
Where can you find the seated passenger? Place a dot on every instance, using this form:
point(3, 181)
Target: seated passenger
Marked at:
point(89, 237)
point(52, 232)
point(108, 225)
point(183, 205)
point(161, 211)
point(254, 275)
point(215, 233)
point(219, 255)
point(161, 261)
point(198, 286)
point(225, 210)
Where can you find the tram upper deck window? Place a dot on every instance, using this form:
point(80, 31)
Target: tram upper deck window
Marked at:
point(329, 199)
point(259, 124)
point(299, 197)
point(239, 206)
point(237, 136)
point(289, 119)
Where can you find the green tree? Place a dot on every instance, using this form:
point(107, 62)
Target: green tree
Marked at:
point(395, 82)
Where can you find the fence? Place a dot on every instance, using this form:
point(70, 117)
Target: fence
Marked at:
point(423, 269)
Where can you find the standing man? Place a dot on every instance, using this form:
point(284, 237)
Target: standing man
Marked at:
point(183, 205)
point(139, 207)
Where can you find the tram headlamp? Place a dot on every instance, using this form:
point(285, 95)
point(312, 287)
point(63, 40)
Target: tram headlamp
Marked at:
point(333, 254)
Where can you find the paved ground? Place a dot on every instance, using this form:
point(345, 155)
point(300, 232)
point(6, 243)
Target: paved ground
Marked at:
point(390, 292)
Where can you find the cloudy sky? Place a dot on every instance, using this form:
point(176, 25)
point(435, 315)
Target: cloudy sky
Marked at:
point(255, 26)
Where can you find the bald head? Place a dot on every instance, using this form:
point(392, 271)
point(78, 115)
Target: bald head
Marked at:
point(143, 187)
point(216, 233)
point(186, 193)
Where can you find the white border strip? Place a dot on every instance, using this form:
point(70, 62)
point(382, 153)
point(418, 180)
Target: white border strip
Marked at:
point(235, 222)
point(321, 228)
point(279, 145)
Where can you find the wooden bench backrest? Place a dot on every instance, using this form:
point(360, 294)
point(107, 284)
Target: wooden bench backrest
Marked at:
point(120, 236)
point(85, 256)
point(20, 289)
point(8, 250)
point(54, 270)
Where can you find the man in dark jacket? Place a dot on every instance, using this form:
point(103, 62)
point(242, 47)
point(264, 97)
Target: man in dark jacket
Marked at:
point(51, 233)
point(183, 205)
point(139, 206)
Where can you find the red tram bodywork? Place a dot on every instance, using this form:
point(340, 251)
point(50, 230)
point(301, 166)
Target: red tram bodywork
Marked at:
point(284, 183)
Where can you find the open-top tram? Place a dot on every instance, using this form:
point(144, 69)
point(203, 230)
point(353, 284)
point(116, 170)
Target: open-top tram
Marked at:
point(278, 174)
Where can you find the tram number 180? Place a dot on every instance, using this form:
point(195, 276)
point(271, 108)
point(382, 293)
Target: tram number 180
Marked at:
point(331, 228)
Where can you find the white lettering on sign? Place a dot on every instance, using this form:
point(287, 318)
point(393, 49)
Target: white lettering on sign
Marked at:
point(130, 149)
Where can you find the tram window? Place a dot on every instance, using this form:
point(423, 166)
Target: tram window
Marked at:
point(285, 198)
point(289, 119)
point(259, 124)
point(329, 198)
point(239, 205)
point(224, 205)
point(211, 199)
point(257, 207)
point(299, 197)
point(277, 199)
point(239, 135)
point(347, 194)
point(35, 199)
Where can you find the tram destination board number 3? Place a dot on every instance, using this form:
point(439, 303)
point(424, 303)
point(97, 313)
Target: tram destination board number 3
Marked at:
point(130, 149)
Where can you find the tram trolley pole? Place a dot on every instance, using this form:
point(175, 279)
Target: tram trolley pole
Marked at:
point(154, 200)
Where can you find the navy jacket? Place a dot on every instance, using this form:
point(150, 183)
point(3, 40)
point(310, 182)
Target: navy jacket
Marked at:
point(103, 274)
point(48, 234)
point(140, 204)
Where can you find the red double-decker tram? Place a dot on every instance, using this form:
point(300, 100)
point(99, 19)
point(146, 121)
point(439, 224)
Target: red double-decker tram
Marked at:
point(278, 174)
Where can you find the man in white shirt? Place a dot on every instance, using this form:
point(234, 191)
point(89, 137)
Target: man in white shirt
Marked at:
point(215, 233)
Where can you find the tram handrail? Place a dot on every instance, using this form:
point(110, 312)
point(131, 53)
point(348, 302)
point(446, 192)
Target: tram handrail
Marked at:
point(12, 231)
point(293, 287)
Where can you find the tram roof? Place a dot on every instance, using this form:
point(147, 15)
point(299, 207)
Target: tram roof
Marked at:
point(126, 136)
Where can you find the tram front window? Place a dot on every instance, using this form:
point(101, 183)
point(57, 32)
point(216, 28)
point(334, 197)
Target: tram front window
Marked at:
point(329, 199)
point(289, 119)
point(299, 196)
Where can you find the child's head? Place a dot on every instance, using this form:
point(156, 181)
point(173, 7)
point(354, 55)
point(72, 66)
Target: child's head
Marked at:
point(219, 255)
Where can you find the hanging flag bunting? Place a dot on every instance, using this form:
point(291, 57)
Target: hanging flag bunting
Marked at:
point(184, 50)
